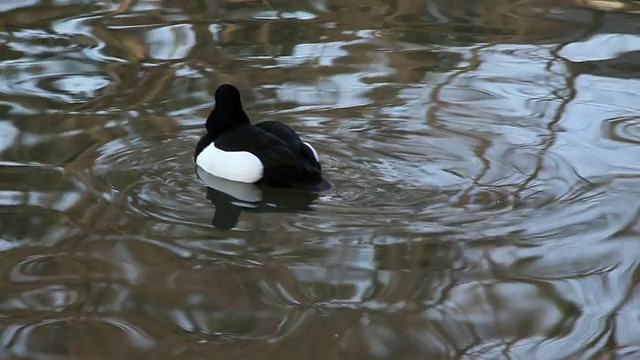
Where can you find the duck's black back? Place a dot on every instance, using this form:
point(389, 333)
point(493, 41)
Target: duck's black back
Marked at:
point(293, 141)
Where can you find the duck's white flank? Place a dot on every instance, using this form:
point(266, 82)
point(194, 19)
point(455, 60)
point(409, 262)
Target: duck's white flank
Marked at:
point(315, 154)
point(241, 166)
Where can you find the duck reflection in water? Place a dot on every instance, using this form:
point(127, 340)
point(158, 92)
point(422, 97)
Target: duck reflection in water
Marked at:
point(230, 198)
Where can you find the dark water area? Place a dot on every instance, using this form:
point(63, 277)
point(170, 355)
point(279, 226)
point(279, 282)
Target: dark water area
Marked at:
point(484, 157)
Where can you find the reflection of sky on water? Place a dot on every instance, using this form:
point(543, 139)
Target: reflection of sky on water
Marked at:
point(516, 80)
point(601, 46)
point(170, 42)
point(9, 134)
point(513, 104)
point(59, 201)
point(11, 5)
point(274, 15)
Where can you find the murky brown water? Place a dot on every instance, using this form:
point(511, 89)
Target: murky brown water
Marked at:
point(485, 157)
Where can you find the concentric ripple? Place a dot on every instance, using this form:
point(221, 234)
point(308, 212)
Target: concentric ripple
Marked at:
point(624, 129)
point(70, 88)
point(152, 183)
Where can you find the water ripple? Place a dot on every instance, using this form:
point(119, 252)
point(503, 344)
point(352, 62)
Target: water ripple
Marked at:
point(70, 88)
point(150, 184)
point(624, 129)
point(483, 157)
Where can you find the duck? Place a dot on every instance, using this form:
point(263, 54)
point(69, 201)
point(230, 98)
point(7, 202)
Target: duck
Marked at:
point(268, 153)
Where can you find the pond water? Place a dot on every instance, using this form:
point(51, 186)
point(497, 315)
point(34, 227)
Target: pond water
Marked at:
point(484, 157)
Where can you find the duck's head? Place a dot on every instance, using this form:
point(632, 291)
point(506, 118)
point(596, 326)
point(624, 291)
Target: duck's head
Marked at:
point(229, 96)
point(228, 111)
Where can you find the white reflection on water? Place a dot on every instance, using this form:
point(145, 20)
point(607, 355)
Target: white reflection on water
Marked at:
point(170, 42)
point(601, 46)
point(8, 134)
point(11, 5)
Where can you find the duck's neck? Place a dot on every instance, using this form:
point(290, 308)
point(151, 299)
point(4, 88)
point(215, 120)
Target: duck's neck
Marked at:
point(220, 121)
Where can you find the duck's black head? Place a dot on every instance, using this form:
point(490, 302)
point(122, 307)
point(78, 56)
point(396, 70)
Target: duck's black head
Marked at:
point(228, 111)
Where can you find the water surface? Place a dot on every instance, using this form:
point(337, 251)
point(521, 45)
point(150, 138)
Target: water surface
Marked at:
point(484, 157)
